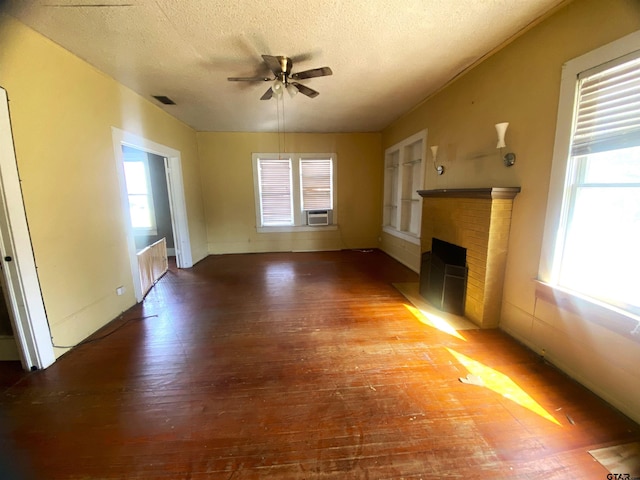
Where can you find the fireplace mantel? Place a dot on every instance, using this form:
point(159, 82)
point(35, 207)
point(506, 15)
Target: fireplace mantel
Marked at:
point(506, 193)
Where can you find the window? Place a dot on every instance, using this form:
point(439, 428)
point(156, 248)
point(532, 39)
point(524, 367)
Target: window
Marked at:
point(276, 199)
point(403, 177)
point(316, 184)
point(138, 182)
point(593, 219)
point(287, 188)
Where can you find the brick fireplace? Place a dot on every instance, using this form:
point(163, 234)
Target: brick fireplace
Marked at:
point(479, 220)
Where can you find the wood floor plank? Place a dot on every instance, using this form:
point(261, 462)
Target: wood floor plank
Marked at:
point(299, 366)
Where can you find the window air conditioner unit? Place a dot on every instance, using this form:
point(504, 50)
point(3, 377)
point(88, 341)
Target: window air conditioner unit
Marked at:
point(319, 217)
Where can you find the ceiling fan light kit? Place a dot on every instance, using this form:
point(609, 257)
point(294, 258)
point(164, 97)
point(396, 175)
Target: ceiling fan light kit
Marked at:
point(292, 90)
point(277, 88)
point(281, 67)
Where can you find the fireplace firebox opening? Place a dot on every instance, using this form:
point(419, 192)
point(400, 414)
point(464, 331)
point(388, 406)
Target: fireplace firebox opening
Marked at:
point(443, 276)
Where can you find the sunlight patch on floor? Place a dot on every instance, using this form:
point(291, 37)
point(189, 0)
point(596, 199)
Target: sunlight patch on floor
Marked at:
point(502, 384)
point(411, 292)
point(434, 321)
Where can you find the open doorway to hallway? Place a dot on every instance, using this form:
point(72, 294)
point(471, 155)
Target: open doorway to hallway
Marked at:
point(142, 164)
point(148, 193)
point(149, 213)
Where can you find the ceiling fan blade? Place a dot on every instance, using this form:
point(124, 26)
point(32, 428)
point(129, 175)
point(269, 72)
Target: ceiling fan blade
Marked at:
point(273, 63)
point(303, 89)
point(249, 79)
point(314, 72)
point(267, 95)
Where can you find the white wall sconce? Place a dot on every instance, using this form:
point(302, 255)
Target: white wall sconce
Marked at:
point(508, 158)
point(434, 153)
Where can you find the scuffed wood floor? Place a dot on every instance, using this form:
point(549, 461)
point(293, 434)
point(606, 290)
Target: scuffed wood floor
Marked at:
point(299, 366)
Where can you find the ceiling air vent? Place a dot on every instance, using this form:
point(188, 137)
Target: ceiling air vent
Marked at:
point(164, 99)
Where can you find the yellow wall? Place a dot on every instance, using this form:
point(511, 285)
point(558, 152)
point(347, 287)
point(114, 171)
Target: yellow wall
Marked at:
point(520, 84)
point(62, 111)
point(227, 178)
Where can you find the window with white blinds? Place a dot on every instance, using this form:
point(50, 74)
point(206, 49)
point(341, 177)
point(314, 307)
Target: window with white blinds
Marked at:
point(596, 251)
point(316, 180)
point(276, 205)
point(286, 188)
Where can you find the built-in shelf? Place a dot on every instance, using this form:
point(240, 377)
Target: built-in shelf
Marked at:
point(403, 177)
point(490, 192)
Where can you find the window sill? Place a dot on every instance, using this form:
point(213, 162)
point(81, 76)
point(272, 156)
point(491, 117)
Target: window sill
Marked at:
point(300, 228)
point(142, 232)
point(619, 321)
point(407, 236)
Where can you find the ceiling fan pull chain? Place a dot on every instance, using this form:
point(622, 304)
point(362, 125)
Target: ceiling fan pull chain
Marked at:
point(278, 120)
point(284, 128)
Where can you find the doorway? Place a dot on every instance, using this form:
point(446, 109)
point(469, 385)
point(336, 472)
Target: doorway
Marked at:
point(149, 205)
point(126, 144)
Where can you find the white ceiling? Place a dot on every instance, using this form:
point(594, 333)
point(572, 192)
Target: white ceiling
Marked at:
point(386, 55)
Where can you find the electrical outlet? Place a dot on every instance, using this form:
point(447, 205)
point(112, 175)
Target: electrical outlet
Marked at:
point(120, 290)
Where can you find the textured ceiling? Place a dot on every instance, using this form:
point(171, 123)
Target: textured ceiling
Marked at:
point(386, 55)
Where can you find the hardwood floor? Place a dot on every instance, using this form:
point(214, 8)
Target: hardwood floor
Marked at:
point(10, 373)
point(300, 366)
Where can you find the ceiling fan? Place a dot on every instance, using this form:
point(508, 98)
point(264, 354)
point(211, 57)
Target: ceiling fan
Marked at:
point(283, 78)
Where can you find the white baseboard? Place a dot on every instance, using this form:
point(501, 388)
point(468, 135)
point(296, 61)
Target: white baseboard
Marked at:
point(402, 261)
point(8, 348)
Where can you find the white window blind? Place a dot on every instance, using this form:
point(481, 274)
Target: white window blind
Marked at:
point(276, 204)
point(608, 104)
point(316, 178)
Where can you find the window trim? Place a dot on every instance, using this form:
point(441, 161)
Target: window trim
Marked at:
point(298, 214)
point(555, 217)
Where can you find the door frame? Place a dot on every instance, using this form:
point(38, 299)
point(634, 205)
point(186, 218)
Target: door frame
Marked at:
point(175, 186)
point(26, 304)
